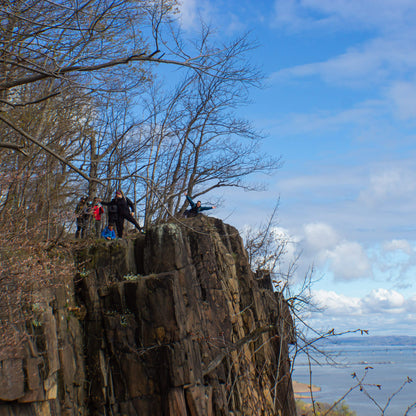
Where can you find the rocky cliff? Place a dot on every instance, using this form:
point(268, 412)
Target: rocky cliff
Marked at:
point(168, 323)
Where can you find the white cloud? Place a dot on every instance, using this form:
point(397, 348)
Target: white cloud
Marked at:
point(401, 245)
point(383, 15)
point(337, 304)
point(381, 56)
point(378, 13)
point(353, 65)
point(384, 301)
point(287, 13)
point(282, 234)
point(349, 261)
point(411, 307)
point(394, 261)
point(388, 304)
point(340, 260)
point(366, 118)
point(372, 62)
point(391, 184)
point(320, 236)
point(346, 260)
point(188, 13)
point(378, 311)
point(192, 11)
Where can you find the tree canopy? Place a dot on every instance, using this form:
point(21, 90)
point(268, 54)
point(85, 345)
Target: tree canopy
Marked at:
point(89, 102)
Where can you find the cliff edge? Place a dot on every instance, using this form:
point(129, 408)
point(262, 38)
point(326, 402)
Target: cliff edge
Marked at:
point(170, 323)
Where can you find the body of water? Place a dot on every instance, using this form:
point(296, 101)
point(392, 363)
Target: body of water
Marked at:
point(386, 363)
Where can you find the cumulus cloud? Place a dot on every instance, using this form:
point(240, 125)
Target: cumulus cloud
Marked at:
point(346, 260)
point(337, 304)
point(349, 261)
point(283, 235)
point(320, 236)
point(378, 311)
point(342, 260)
point(411, 307)
point(384, 301)
point(377, 301)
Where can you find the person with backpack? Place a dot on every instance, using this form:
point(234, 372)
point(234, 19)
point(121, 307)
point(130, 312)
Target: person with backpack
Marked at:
point(120, 209)
point(195, 208)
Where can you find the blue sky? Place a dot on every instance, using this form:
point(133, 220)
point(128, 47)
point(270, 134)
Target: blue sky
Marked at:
point(340, 108)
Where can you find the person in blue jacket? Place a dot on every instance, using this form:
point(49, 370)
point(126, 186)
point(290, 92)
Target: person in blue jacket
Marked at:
point(195, 208)
point(108, 232)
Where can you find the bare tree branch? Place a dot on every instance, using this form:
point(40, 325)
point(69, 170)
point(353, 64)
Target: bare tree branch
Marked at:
point(14, 147)
point(92, 68)
point(27, 136)
point(37, 101)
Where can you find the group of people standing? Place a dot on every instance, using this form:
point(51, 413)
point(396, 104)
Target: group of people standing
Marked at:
point(89, 217)
point(120, 208)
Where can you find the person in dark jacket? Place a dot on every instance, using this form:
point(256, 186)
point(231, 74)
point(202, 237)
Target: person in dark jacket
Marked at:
point(119, 209)
point(81, 213)
point(195, 208)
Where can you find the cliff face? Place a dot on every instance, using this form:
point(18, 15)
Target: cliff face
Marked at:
point(170, 323)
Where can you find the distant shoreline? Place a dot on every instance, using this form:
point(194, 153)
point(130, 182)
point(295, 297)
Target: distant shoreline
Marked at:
point(382, 363)
point(301, 389)
point(383, 340)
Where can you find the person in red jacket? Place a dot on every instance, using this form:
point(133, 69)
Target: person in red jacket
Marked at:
point(97, 212)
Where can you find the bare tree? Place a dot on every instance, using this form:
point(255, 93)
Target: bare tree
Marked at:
point(101, 53)
point(37, 180)
point(198, 143)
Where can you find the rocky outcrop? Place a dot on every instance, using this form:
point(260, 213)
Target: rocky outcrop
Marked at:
point(170, 323)
point(43, 373)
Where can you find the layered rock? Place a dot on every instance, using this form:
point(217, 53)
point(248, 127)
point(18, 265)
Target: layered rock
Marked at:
point(171, 323)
